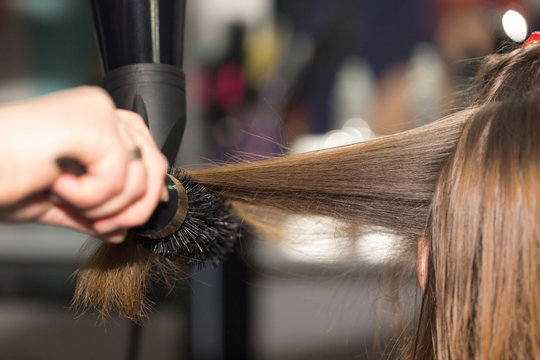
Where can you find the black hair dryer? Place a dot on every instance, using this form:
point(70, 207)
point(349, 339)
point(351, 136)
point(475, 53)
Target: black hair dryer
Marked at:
point(141, 44)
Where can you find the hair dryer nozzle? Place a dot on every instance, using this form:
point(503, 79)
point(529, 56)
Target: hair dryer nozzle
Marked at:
point(139, 31)
point(157, 93)
point(141, 44)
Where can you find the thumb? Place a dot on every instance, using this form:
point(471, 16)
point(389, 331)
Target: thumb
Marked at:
point(62, 216)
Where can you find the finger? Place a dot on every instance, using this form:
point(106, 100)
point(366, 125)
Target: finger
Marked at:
point(135, 183)
point(105, 178)
point(134, 189)
point(62, 216)
point(140, 211)
point(136, 215)
point(156, 168)
point(27, 209)
point(135, 121)
point(114, 237)
point(95, 143)
point(144, 136)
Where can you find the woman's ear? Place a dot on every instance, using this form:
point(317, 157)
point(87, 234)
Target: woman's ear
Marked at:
point(421, 267)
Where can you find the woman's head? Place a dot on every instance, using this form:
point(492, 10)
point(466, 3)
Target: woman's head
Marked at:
point(482, 292)
point(509, 75)
point(482, 296)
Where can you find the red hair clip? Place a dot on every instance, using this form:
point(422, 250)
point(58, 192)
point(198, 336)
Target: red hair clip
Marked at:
point(533, 39)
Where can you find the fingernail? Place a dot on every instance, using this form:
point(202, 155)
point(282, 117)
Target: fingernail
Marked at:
point(104, 227)
point(116, 237)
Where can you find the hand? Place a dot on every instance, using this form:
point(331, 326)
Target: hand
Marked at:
point(82, 124)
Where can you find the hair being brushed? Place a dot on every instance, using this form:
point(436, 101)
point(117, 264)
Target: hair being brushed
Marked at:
point(398, 182)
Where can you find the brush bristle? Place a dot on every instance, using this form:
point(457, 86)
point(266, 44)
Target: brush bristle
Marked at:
point(207, 234)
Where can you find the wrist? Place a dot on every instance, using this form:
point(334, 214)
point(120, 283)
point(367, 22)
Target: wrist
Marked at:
point(15, 147)
point(9, 190)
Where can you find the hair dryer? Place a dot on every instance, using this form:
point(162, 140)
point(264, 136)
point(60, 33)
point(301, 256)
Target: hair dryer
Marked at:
point(141, 45)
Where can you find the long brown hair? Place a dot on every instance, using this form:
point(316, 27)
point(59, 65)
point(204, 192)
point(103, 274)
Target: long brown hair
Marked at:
point(482, 298)
point(387, 182)
point(468, 182)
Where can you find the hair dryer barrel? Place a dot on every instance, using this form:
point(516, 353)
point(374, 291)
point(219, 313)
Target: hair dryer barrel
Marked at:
point(141, 45)
point(139, 31)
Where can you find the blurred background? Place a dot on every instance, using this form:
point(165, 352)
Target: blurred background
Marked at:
point(263, 77)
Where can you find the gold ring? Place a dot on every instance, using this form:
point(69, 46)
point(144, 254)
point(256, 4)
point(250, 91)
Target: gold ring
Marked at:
point(135, 153)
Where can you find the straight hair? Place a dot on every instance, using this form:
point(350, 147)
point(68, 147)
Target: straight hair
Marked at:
point(469, 183)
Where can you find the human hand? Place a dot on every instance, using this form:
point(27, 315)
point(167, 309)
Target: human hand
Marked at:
point(82, 124)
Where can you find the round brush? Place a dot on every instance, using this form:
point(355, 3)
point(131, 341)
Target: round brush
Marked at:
point(141, 46)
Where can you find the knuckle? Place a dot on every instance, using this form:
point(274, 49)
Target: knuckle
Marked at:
point(132, 119)
point(97, 94)
point(89, 103)
point(99, 102)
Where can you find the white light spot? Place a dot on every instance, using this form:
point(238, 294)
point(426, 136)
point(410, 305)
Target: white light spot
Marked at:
point(514, 25)
point(377, 247)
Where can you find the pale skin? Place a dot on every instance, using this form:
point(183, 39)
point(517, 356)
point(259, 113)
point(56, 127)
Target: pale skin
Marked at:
point(116, 192)
point(421, 265)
